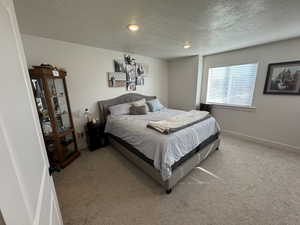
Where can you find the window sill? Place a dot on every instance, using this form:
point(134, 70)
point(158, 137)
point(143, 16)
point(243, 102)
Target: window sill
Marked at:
point(235, 107)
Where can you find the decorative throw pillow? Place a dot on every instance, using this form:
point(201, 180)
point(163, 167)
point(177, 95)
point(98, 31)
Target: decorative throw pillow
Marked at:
point(155, 105)
point(138, 110)
point(141, 103)
point(121, 109)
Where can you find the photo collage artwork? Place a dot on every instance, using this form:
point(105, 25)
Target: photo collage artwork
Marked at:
point(128, 73)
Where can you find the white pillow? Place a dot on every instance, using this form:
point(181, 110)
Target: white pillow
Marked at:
point(121, 109)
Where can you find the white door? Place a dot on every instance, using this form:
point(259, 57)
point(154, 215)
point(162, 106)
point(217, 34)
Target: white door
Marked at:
point(27, 193)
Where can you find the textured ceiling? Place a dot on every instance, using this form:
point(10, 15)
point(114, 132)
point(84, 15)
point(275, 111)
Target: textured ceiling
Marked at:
point(211, 25)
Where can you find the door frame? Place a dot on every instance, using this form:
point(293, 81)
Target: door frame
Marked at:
point(34, 215)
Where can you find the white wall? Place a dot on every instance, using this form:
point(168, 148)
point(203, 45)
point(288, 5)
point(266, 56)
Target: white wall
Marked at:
point(87, 69)
point(184, 83)
point(276, 117)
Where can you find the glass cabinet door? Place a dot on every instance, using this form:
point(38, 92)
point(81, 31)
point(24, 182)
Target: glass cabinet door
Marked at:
point(59, 104)
point(42, 108)
point(68, 145)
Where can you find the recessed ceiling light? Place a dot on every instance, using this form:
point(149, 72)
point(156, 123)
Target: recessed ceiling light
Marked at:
point(133, 27)
point(187, 45)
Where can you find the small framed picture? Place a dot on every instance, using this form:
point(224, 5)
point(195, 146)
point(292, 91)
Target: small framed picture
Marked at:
point(120, 66)
point(131, 86)
point(139, 80)
point(283, 78)
point(116, 79)
point(142, 69)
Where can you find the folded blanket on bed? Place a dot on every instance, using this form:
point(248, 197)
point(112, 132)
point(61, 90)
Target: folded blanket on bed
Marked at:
point(178, 122)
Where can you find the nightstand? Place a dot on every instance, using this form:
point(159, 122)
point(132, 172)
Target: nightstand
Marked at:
point(95, 136)
point(205, 107)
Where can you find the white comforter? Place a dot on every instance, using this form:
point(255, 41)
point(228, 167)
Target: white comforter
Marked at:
point(179, 121)
point(164, 150)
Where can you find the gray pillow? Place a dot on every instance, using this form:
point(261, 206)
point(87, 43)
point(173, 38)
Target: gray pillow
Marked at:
point(138, 110)
point(140, 103)
point(121, 109)
point(155, 105)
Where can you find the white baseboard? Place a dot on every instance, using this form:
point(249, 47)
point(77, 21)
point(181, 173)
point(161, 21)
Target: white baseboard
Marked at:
point(262, 141)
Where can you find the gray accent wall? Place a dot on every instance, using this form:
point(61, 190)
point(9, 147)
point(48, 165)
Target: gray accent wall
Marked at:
point(185, 82)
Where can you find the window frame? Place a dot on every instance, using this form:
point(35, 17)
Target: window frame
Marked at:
point(234, 106)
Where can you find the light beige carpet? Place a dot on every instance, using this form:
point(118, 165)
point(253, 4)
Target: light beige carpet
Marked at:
point(241, 184)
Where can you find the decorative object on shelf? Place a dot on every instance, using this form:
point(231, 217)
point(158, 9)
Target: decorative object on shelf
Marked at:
point(51, 97)
point(87, 115)
point(96, 137)
point(46, 66)
point(283, 78)
point(134, 73)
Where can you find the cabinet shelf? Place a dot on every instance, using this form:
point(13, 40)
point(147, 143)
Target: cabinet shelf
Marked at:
point(66, 132)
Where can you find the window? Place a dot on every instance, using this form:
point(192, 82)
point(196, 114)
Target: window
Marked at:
point(231, 85)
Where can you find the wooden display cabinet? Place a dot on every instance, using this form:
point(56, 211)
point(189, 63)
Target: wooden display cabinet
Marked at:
point(52, 102)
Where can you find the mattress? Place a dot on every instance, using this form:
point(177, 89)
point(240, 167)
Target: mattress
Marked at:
point(163, 150)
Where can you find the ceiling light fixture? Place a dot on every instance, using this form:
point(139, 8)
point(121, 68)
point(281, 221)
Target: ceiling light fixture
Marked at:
point(187, 45)
point(133, 27)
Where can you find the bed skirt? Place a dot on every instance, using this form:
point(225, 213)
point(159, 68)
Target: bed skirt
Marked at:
point(178, 173)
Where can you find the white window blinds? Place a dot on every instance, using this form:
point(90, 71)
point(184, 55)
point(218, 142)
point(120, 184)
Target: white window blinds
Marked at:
point(231, 85)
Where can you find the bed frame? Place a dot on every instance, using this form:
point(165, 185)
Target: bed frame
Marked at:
point(179, 172)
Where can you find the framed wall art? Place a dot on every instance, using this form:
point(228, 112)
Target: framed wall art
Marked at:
point(128, 73)
point(116, 79)
point(283, 78)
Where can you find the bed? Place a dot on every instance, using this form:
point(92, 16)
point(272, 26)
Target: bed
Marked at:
point(166, 158)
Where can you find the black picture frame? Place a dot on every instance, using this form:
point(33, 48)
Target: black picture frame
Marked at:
point(285, 80)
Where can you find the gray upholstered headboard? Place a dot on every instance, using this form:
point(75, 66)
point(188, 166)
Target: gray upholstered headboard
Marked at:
point(105, 104)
